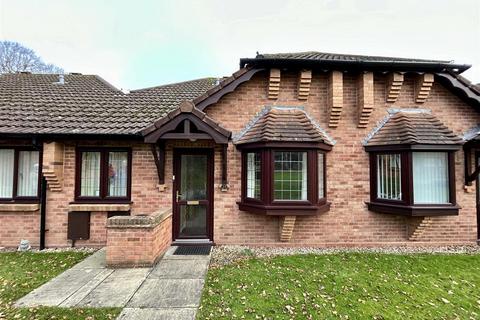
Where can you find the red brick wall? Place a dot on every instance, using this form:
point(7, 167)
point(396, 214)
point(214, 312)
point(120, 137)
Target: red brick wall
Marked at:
point(348, 222)
point(15, 226)
point(138, 246)
point(146, 199)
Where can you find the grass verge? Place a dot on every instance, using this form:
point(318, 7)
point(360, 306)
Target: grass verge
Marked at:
point(20, 273)
point(345, 286)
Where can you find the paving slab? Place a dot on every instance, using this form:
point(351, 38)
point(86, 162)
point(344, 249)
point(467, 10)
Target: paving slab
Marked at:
point(158, 314)
point(117, 289)
point(170, 290)
point(180, 269)
point(81, 293)
point(96, 260)
point(168, 293)
point(59, 289)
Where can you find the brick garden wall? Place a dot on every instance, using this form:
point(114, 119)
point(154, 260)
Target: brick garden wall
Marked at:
point(138, 241)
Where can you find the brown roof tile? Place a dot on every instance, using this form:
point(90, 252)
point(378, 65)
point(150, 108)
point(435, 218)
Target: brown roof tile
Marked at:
point(285, 124)
point(86, 104)
point(412, 126)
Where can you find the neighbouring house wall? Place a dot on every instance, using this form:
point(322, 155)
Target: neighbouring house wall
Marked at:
point(146, 199)
point(348, 184)
point(16, 226)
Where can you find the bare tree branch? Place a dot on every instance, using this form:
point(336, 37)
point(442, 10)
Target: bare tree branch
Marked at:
point(16, 58)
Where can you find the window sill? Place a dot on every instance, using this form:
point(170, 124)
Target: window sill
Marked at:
point(19, 207)
point(284, 210)
point(414, 211)
point(98, 207)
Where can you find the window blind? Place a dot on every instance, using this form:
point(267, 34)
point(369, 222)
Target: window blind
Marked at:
point(28, 167)
point(430, 177)
point(7, 157)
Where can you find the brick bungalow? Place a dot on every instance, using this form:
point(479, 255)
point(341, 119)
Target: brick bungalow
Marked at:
point(300, 149)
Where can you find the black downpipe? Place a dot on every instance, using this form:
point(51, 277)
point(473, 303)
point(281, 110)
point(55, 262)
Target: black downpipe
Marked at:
point(43, 213)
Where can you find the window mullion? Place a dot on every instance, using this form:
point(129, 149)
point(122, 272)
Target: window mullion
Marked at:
point(103, 174)
point(15, 174)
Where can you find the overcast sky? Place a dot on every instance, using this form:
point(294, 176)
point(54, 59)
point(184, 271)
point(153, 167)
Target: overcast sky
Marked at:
point(135, 44)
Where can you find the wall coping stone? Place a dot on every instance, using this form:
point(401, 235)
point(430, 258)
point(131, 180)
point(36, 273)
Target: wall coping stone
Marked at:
point(139, 221)
point(98, 207)
point(19, 207)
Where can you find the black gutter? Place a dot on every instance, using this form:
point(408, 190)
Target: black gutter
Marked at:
point(43, 212)
point(70, 136)
point(356, 65)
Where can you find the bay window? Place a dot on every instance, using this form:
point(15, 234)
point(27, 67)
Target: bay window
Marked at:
point(282, 181)
point(410, 182)
point(103, 174)
point(19, 174)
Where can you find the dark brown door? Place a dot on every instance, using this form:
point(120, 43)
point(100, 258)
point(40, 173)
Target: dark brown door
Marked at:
point(193, 195)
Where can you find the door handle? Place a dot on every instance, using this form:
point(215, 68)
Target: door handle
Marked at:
point(178, 195)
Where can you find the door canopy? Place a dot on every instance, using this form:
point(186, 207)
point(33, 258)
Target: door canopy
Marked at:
point(186, 123)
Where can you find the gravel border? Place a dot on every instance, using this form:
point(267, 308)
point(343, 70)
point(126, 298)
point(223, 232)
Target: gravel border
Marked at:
point(49, 250)
point(228, 254)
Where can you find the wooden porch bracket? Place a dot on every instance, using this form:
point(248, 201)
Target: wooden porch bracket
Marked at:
point(304, 81)
point(159, 158)
point(468, 160)
point(366, 98)
point(423, 85)
point(394, 85)
point(335, 98)
point(286, 228)
point(274, 84)
point(224, 186)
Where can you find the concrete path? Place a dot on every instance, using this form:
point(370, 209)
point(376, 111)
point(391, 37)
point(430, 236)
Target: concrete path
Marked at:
point(170, 290)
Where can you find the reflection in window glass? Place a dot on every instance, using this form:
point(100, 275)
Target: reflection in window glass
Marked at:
point(117, 174)
point(253, 175)
point(321, 175)
point(290, 175)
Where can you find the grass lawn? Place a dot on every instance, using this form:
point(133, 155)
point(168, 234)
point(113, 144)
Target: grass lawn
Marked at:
point(345, 286)
point(20, 273)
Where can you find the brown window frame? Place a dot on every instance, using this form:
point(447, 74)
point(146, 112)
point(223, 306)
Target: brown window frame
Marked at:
point(15, 197)
point(103, 198)
point(406, 206)
point(267, 204)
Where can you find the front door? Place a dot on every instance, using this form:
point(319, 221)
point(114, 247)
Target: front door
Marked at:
point(193, 195)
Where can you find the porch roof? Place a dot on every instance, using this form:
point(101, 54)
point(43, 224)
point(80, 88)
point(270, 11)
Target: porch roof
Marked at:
point(185, 118)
